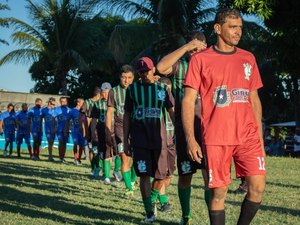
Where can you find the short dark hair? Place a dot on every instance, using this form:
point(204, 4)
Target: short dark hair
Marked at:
point(195, 34)
point(126, 69)
point(38, 99)
point(10, 104)
point(222, 14)
point(62, 97)
point(97, 90)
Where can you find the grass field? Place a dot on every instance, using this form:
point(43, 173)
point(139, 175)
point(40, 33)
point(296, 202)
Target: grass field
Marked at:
point(41, 192)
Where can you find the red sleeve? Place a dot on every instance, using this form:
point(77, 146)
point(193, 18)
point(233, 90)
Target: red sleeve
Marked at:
point(255, 79)
point(111, 100)
point(193, 78)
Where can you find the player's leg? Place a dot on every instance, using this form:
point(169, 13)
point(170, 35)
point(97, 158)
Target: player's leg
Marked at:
point(19, 140)
point(50, 149)
point(27, 141)
point(11, 145)
point(250, 163)
point(107, 162)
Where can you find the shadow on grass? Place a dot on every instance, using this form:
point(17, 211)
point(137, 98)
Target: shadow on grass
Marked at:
point(283, 185)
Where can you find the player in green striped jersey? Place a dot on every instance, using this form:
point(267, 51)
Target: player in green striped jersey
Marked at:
point(175, 67)
point(114, 132)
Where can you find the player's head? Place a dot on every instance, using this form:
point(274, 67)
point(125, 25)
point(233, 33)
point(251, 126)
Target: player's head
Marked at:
point(105, 87)
point(24, 107)
point(195, 34)
point(79, 102)
point(146, 70)
point(51, 102)
point(166, 81)
point(228, 26)
point(126, 75)
point(10, 108)
point(63, 101)
point(38, 102)
point(97, 91)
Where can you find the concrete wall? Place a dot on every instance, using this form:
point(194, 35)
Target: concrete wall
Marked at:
point(17, 98)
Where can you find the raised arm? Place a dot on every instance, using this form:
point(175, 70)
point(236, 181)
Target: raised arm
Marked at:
point(166, 64)
point(188, 115)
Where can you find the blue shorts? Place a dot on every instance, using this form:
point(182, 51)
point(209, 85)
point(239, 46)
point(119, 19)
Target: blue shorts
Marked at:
point(78, 139)
point(62, 137)
point(9, 137)
point(37, 136)
point(21, 136)
point(50, 136)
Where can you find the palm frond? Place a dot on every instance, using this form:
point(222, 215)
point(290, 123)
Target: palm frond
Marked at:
point(26, 40)
point(24, 56)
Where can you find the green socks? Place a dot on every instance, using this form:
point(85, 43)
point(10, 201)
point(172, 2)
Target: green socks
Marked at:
point(100, 162)
point(163, 199)
point(184, 198)
point(117, 163)
point(207, 196)
point(154, 194)
point(133, 175)
point(107, 168)
point(147, 204)
point(127, 179)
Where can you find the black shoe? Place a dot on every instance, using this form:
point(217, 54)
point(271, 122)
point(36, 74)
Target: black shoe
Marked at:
point(241, 190)
point(166, 207)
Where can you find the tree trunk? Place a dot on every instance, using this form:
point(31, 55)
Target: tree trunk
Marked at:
point(296, 100)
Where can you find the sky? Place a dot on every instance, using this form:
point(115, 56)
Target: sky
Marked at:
point(14, 77)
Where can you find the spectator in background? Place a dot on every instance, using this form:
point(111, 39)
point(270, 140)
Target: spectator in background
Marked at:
point(289, 143)
point(276, 145)
point(267, 140)
point(297, 143)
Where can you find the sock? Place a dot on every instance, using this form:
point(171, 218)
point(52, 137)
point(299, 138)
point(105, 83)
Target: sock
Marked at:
point(207, 196)
point(127, 180)
point(217, 217)
point(80, 152)
point(147, 204)
point(30, 150)
point(93, 163)
point(75, 152)
point(163, 199)
point(107, 168)
point(100, 162)
point(117, 163)
point(184, 198)
point(154, 194)
point(248, 211)
point(38, 152)
point(133, 174)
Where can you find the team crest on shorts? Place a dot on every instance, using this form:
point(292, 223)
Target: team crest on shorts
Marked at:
point(186, 167)
point(161, 94)
point(247, 70)
point(221, 96)
point(142, 166)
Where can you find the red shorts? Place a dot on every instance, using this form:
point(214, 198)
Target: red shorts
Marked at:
point(248, 159)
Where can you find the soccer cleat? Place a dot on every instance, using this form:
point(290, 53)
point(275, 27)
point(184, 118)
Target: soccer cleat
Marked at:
point(128, 194)
point(79, 161)
point(118, 176)
point(150, 217)
point(106, 181)
point(31, 157)
point(154, 208)
point(4, 153)
point(185, 221)
point(76, 162)
point(166, 207)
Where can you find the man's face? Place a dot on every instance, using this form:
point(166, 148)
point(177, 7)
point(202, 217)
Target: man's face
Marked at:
point(105, 94)
point(38, 103)
point(10, 109)
point(63, 102)
point(231, 31)
point(148, 77)
point(24, 108)
point(80, 103)
point(126, 79)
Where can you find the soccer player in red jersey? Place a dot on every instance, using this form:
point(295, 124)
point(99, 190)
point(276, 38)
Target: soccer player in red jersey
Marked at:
point(227, 78)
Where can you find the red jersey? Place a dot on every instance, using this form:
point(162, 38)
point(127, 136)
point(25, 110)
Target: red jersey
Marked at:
point(224, 81)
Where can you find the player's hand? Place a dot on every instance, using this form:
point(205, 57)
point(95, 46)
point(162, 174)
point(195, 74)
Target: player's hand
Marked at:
point(195, 46)
point(194, 151)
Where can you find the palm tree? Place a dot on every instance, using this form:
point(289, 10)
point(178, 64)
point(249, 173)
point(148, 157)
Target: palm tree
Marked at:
point(57, 39)
point(3, 21)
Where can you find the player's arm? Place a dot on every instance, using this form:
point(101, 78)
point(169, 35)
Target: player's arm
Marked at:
point(1, 126)
point(108, 123)
point(126, 130)
point(172, 114)
point(187, 115)
point(165, 66)
point(257, 110)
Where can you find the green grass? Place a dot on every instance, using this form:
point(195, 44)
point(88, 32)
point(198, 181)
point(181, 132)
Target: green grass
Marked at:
point(40, 192)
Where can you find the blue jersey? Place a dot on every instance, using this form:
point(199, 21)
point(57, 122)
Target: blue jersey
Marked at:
point(62, 114)
point(9, 121)
point(36, 119)
point(22, 121)
point(49, 119)
point(74, 115)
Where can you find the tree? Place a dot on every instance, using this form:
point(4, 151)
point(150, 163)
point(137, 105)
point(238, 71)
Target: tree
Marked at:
point(3, 21)
point(54, 43)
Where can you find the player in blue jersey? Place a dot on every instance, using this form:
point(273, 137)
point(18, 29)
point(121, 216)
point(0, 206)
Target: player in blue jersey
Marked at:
point(78, 130)
point(62, 113)
point(8, 121)
point(23, 129)
point(48, 113)
point(35, 126)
